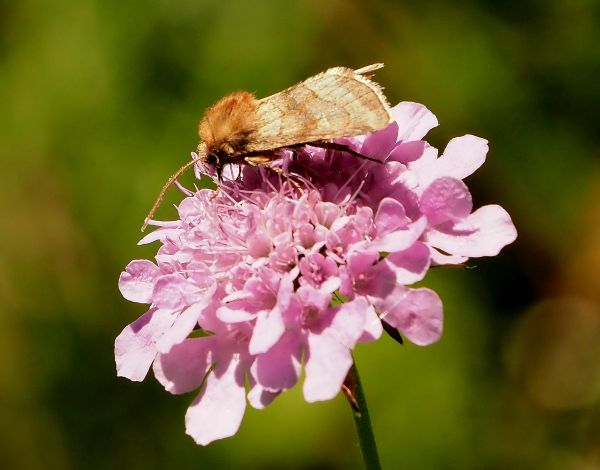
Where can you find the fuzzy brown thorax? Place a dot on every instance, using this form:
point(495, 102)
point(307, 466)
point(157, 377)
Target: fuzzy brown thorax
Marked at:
point(227, 125)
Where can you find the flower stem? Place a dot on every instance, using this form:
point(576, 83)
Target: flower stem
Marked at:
point(354, 393)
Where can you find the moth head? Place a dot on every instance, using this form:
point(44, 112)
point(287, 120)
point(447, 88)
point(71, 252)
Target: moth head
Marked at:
point(210, 159)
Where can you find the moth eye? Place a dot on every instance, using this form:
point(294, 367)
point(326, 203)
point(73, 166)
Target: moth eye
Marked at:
point(211, 159)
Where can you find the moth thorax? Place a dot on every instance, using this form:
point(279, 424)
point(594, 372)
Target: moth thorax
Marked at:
point(228, 124)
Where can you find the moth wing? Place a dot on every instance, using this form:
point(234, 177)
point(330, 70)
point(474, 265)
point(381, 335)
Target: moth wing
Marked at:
point(339, 102)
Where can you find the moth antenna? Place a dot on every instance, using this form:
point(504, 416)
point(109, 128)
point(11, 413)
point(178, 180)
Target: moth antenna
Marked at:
point(166, 186)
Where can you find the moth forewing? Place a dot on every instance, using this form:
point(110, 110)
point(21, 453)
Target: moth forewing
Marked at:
point(340, 102)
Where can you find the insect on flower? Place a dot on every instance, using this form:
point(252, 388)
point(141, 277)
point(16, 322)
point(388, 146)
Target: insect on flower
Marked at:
point(240, 129)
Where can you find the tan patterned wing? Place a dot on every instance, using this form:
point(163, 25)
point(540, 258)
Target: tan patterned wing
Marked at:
point(340, 102)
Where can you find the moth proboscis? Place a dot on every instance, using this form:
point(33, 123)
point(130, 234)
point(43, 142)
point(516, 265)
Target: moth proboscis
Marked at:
point(240, 129)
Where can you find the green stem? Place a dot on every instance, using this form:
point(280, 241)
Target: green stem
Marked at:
point(358, 403)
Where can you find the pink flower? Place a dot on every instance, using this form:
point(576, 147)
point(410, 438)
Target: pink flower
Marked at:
point(243, 282)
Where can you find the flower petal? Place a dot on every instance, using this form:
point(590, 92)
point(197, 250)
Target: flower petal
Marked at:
point(439, 259)
point(182, 326)
point(183, 368)
point(268, 329)
point(219, 408)
point(161, 234)
point(379, 144)
point(137, 281)
point(373, 327)
point(278, 368)
point(446, 199)
point(410, 265)
point(173, 292)
point(327, 364)
point(390, 216)
point(417, 313)
point(414, 120)
point(407, 152)
point(328, 357)
point(135, 347)
point(484, 233)
point(348, 322)
point(259, 398)
point(259, 245)
point(398, 240)
point(462, 156)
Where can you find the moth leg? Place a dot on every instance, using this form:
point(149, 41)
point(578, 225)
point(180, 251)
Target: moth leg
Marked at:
point(287, 176)
point(264, 160)
point(255, 160)
point(342, 148)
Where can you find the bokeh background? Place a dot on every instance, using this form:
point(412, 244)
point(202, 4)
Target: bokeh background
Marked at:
point(100, 103)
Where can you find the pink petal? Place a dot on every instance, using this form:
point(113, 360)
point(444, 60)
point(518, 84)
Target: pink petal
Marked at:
point(390, 216)
point(379, 144)
point(268, 329)
point(427, 160)
point(417, 313)
point(238, 306)
point(259, 245)
point(373, 327)
point(331, 285)
point(182, 326)
point(219, 408)
point(446, 199)
point(462, 156)
point(399, 239)
point(439, 258)
point(286, 290)
point(183, 368)
point(306, 235)
point(311, 296)
point(327, 364)
point(360, 262)
point(414, 120)
point(484, 233)
point(160, 234)
point(410, 265)
point(279, 367)
point(173, 292)
point(327, 213)
point(137, 281)
point(348, 323)
point(135, 347)
point(260, 398)
point(234, 315)
point(407, 152)
point(328, 356)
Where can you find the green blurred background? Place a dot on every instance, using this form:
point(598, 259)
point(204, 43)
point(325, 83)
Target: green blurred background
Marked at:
point(101, 101)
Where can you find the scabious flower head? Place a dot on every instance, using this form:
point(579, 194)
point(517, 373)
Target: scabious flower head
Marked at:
point(247, 281)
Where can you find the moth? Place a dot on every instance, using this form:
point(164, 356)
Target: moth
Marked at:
point(240, 129)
